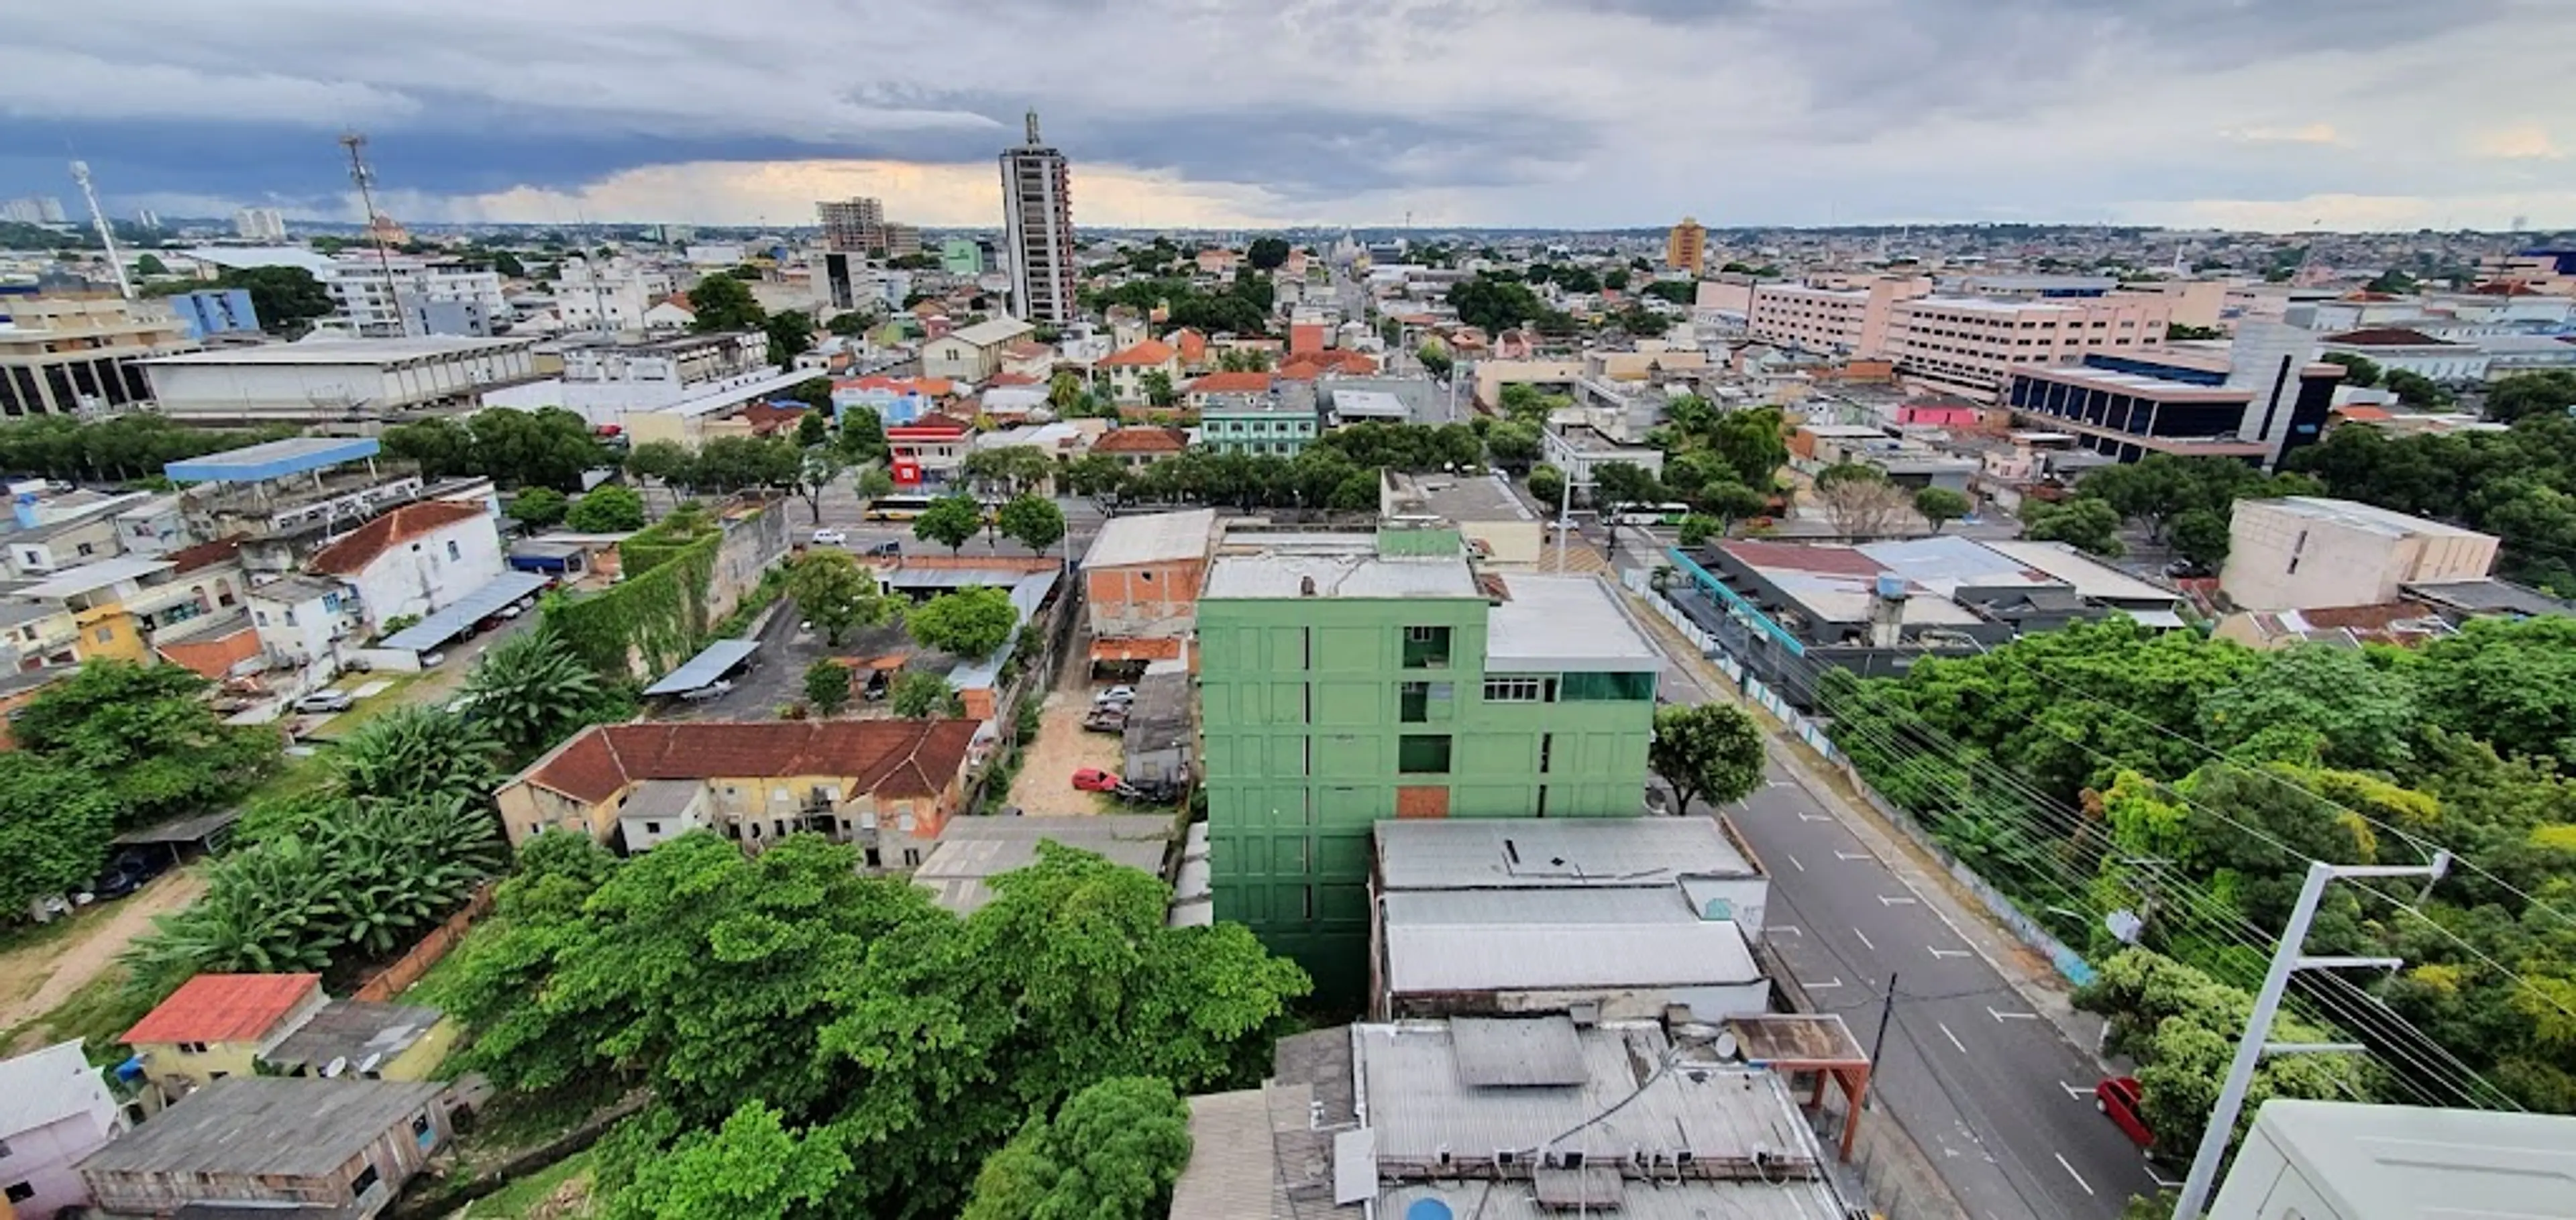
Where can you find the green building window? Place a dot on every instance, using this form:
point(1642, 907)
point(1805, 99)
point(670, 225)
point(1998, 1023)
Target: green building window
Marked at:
point(1608, 688)
point(1422, 754)
point(1424, 702)
point(1512, 690)
point(1428, 648)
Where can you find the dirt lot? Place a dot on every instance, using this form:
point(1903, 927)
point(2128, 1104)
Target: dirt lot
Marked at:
point(1045, 782)
point(38, 976)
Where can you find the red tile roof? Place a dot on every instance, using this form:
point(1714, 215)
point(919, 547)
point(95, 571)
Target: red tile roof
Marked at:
point(1307, 366)
point(1823, 560)
point(2387, 336)
point(368, 543)
point(895, 759)
point(203, 555)
point(766, 418)
point(1192, 344)
point(1230, 383)
point(932, 422)
point(1003, 379)
point(1025, 349)
point(2364, 415)
point(223, 1008)
point(1141, 440)
point(1150, 352)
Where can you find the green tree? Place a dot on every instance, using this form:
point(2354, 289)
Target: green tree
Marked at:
point(850, 324)
point(1157, 387)
point(2523, 394)
point(731, 463)
point(1266, 253)
point(607, 509)
point(1112, 1153)
point(1711, 752)
point(2179, 332)
point(813, 429)
point(2343, 709)
point(508, 264)
point(817, 467)
point(751, 1168)
point(666, 462)
point(532, 690)
point(916, 694)
point(539, 507)
point(1619, 484)
point(723, 303)
point(435, 447)
point(1751, 442)
point(548, 447)
point(827, 685)
point(416, 752)
point(1513, 445)
point(2086, 523)
point(1435, 359)
point(2391, 281)
point(1941, 506)
point(54, 828)
point(1098, 476)
point(2417, 390)
point(791, 334)
point(968, 623)
point(1546, 485)
point(1698, 530)
point(836, 593)
point(1034, 521)
point(284, 298)
point(2359, 370)
point(874, 483)
point(151, 264)
point(2512, 683)
point(863, 434)
point(951, 521)
point(146, 737)
point(1730, 502)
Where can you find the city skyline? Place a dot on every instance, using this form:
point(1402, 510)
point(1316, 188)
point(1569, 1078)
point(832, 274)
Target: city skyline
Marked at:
point(1545, 113)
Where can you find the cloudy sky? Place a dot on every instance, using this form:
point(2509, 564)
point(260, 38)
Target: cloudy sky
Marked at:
point(2273, 114)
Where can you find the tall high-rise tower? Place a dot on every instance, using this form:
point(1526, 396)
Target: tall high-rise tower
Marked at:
point(1037, 219)
point(854, 225)
point(1686, 246)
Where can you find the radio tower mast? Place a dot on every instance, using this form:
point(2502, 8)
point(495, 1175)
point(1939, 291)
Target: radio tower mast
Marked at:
point(356, 143)
point(106, 231)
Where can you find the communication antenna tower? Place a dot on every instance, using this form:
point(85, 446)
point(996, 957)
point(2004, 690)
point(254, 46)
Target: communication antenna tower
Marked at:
point(106, 231)
point(365, 178)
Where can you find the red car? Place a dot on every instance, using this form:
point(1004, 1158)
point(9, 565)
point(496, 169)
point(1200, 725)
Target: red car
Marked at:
point(2118, 1097)
point(1093, 779)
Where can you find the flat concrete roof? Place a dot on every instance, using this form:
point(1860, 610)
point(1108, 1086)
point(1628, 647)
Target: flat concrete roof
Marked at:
point(345, 351)
point(2386, 1162)
point(1553, 853)
point(1339, 576)
point(1458, 498)
point(71, 582)
point(2353, 514)
point(1564, 623)
point(273, 460)
point(1152, 538)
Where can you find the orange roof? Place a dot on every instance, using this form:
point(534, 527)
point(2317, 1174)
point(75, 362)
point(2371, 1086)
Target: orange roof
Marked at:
point(934, 387)
point(1307, 366)
point(1192, 344)
point(1141, 440)
point(2363, 415)
point(886, 758)
point(368, 543)
point(1230, 383)
point(1003, 379)
point(203, 555)
point(1149, 352)
point(224, 1008)
point(1025, 349)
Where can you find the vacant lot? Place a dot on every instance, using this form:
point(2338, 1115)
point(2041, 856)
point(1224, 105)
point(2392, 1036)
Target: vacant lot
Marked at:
point(1045, 782)
point(52, 965)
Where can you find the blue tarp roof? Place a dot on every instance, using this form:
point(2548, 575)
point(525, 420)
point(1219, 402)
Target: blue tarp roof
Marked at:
point(444, 625)
point(274, 460)
point(705, 667)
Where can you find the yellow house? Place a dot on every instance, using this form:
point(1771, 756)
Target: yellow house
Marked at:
point(1125, 370)
point(636, 785)
point(366, 1040)
point(219, 1025)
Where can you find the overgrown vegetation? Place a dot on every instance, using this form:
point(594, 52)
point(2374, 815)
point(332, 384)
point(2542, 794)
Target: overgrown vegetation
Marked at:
point(658, 615)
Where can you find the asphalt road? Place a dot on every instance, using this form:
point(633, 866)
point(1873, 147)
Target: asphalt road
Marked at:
point(1994, 1094)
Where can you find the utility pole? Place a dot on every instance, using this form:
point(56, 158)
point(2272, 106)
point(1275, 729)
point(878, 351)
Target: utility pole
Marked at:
point(106, 231)
point(2287, 958)
point(365, 178)
point(1886, 1017)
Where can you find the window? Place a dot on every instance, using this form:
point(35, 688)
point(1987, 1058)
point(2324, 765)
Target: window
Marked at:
point(105, 634)
point(1546, 752)
point(1512, 690)
point(1608, 688)
point(87, 549)
point(1422, 754)
point(911, 857)
point(454, 551)
point(192, 1048)
point(652, 828)
point(1426, 647)
point(20, 1192)
point(364, 1182)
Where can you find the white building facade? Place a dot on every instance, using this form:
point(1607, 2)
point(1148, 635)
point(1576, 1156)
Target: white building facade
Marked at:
point(1037, 222)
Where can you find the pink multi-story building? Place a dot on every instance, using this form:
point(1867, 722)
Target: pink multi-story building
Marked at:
point(1968, 345)
point(1836, 315)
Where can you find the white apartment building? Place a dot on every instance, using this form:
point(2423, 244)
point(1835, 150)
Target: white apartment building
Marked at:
point(1037, 220)
point(1968, 345)
point(610, 297)
point(259, 224)
point(608, 382)
point(399, 296)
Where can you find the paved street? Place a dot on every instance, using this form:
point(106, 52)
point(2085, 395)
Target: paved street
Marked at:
point(1994, 1093)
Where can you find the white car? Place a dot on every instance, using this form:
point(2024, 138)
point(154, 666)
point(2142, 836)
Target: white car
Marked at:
point(325, 701)
point(830, 538)
point(1120, 695)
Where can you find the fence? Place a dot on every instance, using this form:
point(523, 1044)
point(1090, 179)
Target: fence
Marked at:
point(2068, 963)
point(406, 970)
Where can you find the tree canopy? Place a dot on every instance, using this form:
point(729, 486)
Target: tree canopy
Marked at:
point(1711, 752)
point(969, 623)
point(2518, 484)
point(834, 592)
point(721, 303)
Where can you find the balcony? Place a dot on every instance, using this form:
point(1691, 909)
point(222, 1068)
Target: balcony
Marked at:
point(1426, 648)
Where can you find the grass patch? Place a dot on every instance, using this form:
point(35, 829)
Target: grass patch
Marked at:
point(522, 1198)
point(36, 935)
point(431, 987)
point(99, 1014)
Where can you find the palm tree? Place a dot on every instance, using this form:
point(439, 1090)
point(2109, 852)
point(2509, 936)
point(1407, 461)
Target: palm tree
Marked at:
point(419, 752)
point(532, 690)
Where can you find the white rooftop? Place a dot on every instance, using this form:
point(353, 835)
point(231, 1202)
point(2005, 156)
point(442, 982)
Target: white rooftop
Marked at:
point(1571, 956)
point(2090, 577)
point(992, 333)
point(345, 351)
point(2370, 517)
point(71, 582)
point(1552, 853)
point(1152, 538)
point(1344, 575)
point(47, 1086)
point(1564, 622)
point(2406, 1162)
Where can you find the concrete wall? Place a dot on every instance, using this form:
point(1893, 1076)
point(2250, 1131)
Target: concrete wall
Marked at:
point(2278, 560)
point(1153, 601)
point(42, 1158)
point(431, 572)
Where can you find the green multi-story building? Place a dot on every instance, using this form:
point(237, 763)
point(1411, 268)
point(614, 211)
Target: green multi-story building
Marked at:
point(1256, 424)
point(1345, 680)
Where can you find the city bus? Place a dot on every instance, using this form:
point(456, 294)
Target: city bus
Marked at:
point(897, 508)
point(1650, 514)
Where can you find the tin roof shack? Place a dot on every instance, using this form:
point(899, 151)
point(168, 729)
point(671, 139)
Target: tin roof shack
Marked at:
point(1159, 732)
point(1605, 918)
point(973, 851)
point(346, 1144)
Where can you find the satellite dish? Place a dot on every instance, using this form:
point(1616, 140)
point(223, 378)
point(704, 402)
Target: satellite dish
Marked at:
point(1726, 1045)
point(337, 1065)
point(1427, 1209)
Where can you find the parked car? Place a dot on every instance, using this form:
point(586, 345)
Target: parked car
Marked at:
point(430, 660)
point(1093, 779)
point(713, 690)
point(830, 537)
point(2119, 1097)
point(1107, 718)
point(513, 610)
point(326, 701)
point(891, 549)
point(1119, 695)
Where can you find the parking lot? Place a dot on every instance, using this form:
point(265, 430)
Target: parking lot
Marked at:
point(1045, 782)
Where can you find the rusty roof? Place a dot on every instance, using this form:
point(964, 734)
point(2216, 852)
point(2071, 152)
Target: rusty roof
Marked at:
point(887, 758)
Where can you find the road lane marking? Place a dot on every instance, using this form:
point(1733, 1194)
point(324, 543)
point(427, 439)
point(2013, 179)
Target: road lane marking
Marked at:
point(1794, 860)
point(2070, 1172)
point(1954, 1038)
point(1777, 783)
point(1884, 900)
point(1851, 855)
point(2074, 1091)
point(2162, 1182)
point(1864, 939)
point(1790, 928)
point(1837, 982)
point(2013, 1016)
point(1940, 952)
point(1805, 816)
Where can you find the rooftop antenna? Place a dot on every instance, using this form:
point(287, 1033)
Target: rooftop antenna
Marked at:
point(106, 232)
point(356, 143)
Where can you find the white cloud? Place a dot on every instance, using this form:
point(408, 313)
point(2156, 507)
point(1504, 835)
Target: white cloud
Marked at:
point(2519, 142)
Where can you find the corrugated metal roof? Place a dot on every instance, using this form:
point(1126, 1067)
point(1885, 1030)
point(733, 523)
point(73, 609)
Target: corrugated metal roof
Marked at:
point(1517, 1052)
point(1152, 538)
point(46, 1086)
point(705, 667)
point(1534, 957)
point(440, 626)
point(1231, 1174)
point(1530, 853)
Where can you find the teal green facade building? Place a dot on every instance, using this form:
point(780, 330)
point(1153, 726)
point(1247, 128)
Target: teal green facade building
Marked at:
point(1346, 682)
point(1256, 425)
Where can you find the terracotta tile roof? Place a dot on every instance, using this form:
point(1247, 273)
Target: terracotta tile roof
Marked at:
point(1003, 379)
point(203, 555)
point(2364, 415)
point(1142, 440)
point(2387, 336)
point(223, 1008)
point(1025, 349)
point(1150, 352)
point(935, 422)
point(1192, 344)
point(766, 418)
point(1229, 383)
point(363, 546)
point(934, 387)
point(1307, 366)
point(1799, 557)
point(895, 759)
